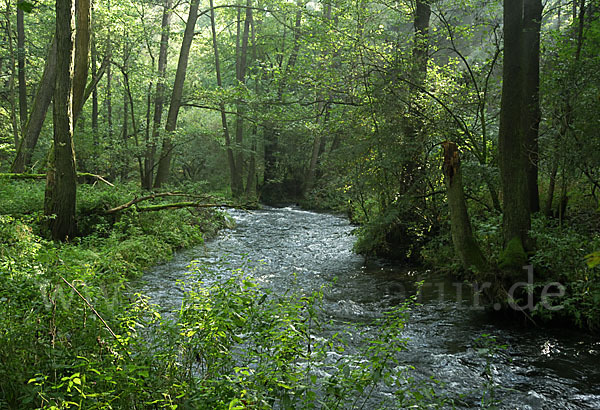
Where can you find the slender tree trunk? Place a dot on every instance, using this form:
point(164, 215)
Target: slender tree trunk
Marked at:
point(511, 138)
point(226, 135)
point(95, 113)
point(271, 133)
point(159, 98)
point(41, 102)
point(312, 166)
point(124, 128)
point(532, 16)
point(322, 115)
point(11, 82)
point(551, 187)
point(164, 164)
point(237, 187)
point(21, 68)
point(251, 177)
point(464, 242)
point(61, 183)
point(108, 98)
point(82, 54)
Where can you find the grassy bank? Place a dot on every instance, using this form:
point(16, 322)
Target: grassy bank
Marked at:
point(65, 306)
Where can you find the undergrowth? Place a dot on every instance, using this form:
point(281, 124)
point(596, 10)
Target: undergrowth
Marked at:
point(73, 334)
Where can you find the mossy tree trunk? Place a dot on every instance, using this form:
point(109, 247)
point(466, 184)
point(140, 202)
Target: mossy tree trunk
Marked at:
point(61, 182)
point(511, 138)
point(464, 242)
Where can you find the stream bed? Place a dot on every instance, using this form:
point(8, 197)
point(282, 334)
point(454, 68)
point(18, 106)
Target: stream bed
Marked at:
point(292, 248)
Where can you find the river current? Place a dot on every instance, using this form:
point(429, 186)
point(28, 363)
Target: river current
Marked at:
point(291, 248)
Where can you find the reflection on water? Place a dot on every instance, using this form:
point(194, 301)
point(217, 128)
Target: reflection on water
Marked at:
point(289, 247)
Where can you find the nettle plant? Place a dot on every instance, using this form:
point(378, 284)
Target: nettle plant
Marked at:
point(246, 347)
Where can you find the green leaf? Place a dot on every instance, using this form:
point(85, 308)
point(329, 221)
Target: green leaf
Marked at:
point(26, 6)
point(593, 259)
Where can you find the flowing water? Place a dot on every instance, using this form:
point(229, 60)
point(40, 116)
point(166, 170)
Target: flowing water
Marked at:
point(288, 247)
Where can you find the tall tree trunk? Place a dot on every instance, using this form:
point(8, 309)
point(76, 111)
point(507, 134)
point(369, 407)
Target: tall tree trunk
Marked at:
point(312, 166)
point(95, 113)
point(21, 68)
point(322, 107)
point(124, 128)
point(13, 74)
point(464, 242)
point(511, 138)
point(41, 102)
point(61, 183)
point(226, 135)
point(159, 98)
point(237, 187)
point(271, 133)
point(82, 54)
point(164, 164)
point(532, 16)
point(108, 98)
point(251, 179)
point(421, 40)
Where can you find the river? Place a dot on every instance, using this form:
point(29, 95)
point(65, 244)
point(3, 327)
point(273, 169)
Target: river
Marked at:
point(289, 247)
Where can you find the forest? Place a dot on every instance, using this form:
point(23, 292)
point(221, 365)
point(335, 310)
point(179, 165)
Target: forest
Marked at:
point(457, 137)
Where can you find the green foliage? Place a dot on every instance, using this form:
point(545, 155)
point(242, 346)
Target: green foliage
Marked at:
point(21, 197)
point(394, 233)
point(50, 337)
point(593, 259)
point(561, 257)
point(488, 347)
point(252, 348)
point(234, 345)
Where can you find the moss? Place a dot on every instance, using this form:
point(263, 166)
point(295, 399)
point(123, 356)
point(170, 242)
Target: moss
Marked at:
point(513, 256)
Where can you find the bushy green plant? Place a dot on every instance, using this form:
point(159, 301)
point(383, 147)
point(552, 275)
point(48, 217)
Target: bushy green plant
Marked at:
point(395, 233)
point(246, 347)
point(21, 197)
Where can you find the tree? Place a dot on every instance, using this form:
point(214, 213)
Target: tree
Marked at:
point(61, 183)
point(82, 54)
point(41, 102)
point(532, 18)
point(159, 98)
point(237, 184)
point(511, 139)
point(21, 67)
point(462, 235)
point(164, 163)
point(230, 155)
